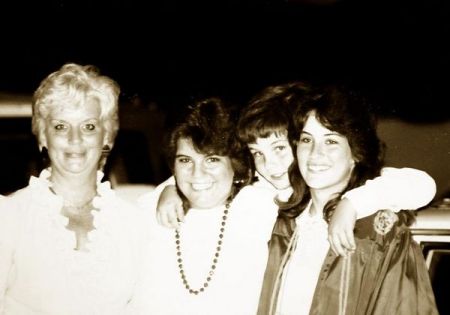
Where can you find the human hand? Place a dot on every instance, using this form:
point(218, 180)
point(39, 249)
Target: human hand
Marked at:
point(169, 211)
point(340, 228)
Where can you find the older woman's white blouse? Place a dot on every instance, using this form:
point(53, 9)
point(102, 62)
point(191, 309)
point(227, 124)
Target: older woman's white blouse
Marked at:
point(41, 273)
point(236, 283)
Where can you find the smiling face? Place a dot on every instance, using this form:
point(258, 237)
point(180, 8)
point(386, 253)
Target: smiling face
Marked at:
point(205, 180)
point(273, 156)
point(74, 137)
point(324, 156)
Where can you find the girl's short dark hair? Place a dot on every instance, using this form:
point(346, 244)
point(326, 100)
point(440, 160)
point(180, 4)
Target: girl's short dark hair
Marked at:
point(211, 126)
point(270, 111)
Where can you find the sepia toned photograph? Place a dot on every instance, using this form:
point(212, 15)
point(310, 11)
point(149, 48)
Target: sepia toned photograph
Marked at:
point(252, 157)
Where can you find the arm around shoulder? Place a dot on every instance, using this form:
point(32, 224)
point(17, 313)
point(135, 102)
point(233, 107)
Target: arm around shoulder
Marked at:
point(394, 189)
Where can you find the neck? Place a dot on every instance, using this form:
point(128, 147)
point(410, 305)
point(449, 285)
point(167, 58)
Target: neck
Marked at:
point(319, 200)
point(284, 194)
point(75, 189)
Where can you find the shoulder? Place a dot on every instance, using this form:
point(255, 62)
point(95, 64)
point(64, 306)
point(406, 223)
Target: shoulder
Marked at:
point(257, 200)
point(21, 197)
point(14, 209)
point(384, 224)
point(126, 208)
point(256, 194)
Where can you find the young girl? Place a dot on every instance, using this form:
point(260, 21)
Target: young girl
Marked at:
point(338, 150)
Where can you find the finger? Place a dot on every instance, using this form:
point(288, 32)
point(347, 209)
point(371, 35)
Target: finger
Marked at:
point(333, 248)
point(337, 245)
point(180, 212)
point(350, 240)
point(343, 241)
point(173, 220)
point(165, 220)
point(158, 218)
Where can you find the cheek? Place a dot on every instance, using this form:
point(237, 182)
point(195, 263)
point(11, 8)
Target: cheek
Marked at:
point(259, 165)
point(302, 153)
point(93, 140)
point(341, 155)
point(226, 173)
point(288, 159)
point(53, 140)
point(180, 173)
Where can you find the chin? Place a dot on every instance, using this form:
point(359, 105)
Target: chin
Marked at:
point(282, 186)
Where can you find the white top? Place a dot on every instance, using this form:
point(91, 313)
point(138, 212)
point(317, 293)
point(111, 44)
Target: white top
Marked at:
point(302, 270)
point(41, 273)
point(237, 280)
point(396, 189)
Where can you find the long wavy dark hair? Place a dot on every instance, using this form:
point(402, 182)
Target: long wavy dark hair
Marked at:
point(346, 112)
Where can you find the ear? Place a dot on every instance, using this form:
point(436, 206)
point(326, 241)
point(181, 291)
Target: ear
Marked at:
point(42, 140)
point(107, 141)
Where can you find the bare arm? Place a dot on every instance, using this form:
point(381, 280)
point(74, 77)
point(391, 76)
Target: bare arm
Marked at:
point(170, 211)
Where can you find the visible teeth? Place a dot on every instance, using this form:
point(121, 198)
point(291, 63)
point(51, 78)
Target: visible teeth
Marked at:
point(201, 186)
point(74, 155)
point(317, 168)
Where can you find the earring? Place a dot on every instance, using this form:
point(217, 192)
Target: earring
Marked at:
point(45, 159)
point(106, 149)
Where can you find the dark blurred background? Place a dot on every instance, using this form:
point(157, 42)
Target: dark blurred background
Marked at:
point(165, 54)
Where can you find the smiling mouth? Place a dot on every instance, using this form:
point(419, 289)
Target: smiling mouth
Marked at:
point(201, 186)
point(318, 168)
point(278, 176)
point(74, 155)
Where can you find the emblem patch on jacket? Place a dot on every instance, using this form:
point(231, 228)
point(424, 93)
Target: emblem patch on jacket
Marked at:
point(384, 221)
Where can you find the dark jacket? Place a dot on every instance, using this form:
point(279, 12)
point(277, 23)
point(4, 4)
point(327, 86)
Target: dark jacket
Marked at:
point(386, 274)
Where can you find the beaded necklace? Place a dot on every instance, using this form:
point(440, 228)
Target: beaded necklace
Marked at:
point(214, 260)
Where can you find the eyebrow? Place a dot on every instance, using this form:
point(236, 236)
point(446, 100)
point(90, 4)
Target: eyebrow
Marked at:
point(327, 134)
point(86, 120)
point(276, 141)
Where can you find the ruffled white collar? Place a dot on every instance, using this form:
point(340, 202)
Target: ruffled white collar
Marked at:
point(52, 204)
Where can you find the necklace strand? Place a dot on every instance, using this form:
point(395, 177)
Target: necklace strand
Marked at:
point(214, 260)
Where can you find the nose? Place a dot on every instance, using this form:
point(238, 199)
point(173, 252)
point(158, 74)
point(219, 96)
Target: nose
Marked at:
point(317, 149)
point(74, 135)
point(270, 160)
point(197, 170)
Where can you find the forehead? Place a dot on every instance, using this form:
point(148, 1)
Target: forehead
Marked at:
point(186, 147)
point(313, 126)
point(83, 110)
point(272, 138)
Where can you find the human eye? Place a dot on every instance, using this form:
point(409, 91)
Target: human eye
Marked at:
point(280, 148)
point(305, 139)
point(60, 127)
point(183, 160)
point(256, 154)
point(331, 141)
point(213, 159)
point(89, 126)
